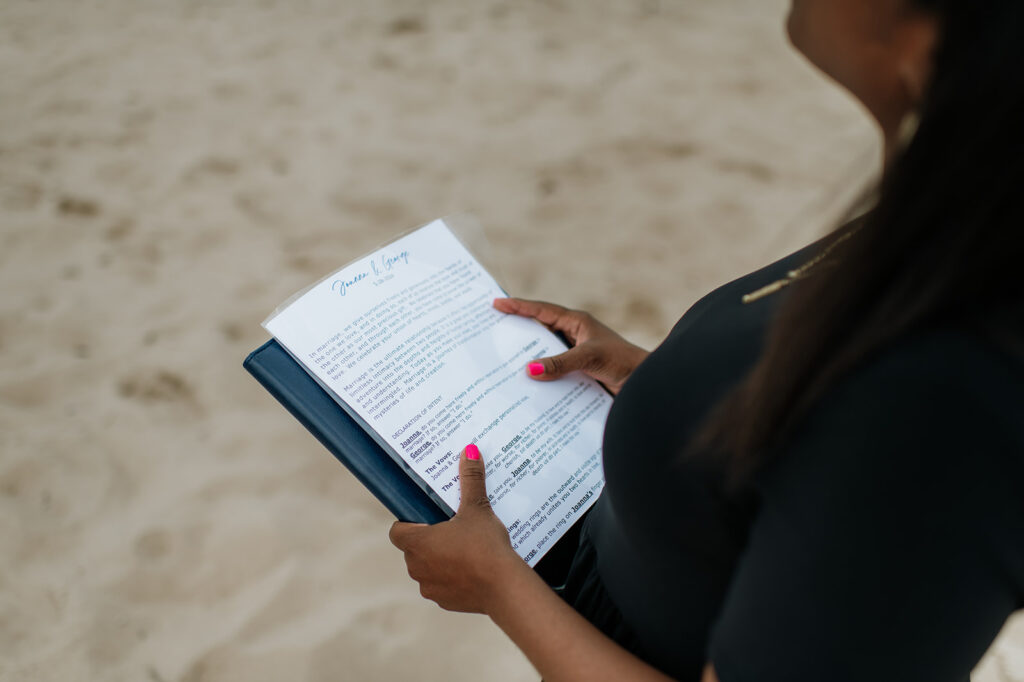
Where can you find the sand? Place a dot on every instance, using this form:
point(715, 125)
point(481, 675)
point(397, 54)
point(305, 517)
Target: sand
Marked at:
point(170, 172)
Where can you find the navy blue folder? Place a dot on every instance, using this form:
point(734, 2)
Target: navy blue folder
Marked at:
point(301, 395)
point(315, 409)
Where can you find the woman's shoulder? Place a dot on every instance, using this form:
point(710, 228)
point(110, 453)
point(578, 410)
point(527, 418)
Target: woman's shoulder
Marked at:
point(966, 364)
point(926, 431)
point(934, 396)
point(933, 416)
point(897, 496)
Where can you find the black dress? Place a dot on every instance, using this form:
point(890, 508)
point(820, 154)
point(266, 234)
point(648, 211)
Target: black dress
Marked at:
point(886, 542)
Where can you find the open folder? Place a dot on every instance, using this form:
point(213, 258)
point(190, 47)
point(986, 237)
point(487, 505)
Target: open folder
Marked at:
point(315, 409)
point(301, 395)
point(397, 360)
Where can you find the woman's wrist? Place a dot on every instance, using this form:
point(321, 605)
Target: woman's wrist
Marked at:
point(628, 359)
point(507, 575)
point(513, 593)
point(638, 355)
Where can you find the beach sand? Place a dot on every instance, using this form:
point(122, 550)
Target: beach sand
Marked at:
point(170, 172)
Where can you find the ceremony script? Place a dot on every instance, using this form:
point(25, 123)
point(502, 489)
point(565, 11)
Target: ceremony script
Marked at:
point(408, 343)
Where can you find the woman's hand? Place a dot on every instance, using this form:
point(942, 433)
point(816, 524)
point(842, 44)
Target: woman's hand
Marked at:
point(597, 351)
point(465, 562)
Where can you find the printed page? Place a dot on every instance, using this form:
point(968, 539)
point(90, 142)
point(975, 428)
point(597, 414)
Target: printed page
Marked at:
point(407, 340)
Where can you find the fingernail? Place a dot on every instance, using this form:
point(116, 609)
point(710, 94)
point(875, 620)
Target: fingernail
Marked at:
point(535, 368)
point(472, 452)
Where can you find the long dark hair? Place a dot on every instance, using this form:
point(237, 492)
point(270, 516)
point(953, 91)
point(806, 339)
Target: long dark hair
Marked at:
point(945, 240)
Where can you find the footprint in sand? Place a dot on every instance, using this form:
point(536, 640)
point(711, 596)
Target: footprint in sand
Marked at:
point(406, 25)
point(78, 207)
point(20, 196)
point(152, 544)
point(645, 314)
point(160, 386)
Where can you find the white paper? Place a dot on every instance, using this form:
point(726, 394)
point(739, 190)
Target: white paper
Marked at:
point(407, 339)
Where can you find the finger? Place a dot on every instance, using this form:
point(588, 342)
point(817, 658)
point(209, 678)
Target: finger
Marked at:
point(472, 480)
point(550, 314)
point(401, 532)
point(554, 367)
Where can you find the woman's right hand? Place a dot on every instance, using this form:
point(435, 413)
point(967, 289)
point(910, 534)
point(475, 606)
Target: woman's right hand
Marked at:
point(597, 351)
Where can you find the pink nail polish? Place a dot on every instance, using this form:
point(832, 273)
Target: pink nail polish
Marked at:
point(472, 452)
point(535, 368)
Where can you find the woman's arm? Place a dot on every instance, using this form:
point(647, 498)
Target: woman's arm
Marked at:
point(468, 564)
point(559, 642)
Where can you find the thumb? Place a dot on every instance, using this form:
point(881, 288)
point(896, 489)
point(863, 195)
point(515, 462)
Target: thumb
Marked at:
point(556, 366)
point(472, 485)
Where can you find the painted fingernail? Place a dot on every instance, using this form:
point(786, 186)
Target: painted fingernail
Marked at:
point(535, 368)
point(472, 452)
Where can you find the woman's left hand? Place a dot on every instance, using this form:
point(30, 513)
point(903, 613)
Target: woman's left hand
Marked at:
point(463, 563)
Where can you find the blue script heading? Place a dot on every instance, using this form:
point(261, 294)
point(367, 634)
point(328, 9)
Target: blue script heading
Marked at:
point(378, 267)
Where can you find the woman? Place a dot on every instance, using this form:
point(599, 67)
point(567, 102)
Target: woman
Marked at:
point(817, 475)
